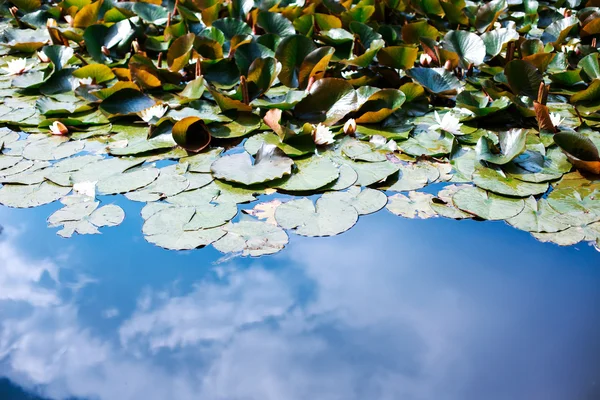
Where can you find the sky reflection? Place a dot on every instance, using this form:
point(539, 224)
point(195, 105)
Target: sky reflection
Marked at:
point(392, 309)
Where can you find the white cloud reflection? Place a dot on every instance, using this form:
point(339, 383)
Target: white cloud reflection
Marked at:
point(335, 322)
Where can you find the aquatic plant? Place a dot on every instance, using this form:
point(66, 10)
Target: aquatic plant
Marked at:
point(197, 106)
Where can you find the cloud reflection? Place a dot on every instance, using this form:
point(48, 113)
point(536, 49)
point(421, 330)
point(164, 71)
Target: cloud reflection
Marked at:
point(351, 317)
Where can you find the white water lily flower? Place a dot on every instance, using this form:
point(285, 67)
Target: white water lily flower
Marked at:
point(322, 135)
point(556, 119)
point(378, 140)
point(85, 188)
point(58, 128)
point(392, 145)
point(85, 81)
point(448, 123)
point(156, 111)
point(16, 66)
point(425, 59)
point(350, 127)
point(43, 57)
point(347, 74)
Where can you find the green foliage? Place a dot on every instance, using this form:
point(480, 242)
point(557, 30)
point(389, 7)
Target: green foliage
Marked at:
point(346, 99)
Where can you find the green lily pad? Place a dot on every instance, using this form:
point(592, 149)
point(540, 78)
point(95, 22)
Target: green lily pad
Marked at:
point(415, 205)
point(128, 181)
point(365, 201)
point(310, 174)
point(538, 216)
point(470, 48)
point(167, 228)
point(436, 80)
point(328, 101)
point(252, 238)
point(523, 77)
point(270, 164)
point(85, 218)
point(577, 205)
point(495, 180)
point(26, 196)
point(326, 218)
point(511, 144)
point(487, 205)
point(442, 203)
point(414, 176)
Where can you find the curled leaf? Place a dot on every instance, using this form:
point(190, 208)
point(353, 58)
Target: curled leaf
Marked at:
point(580, 150)
point(192, 134)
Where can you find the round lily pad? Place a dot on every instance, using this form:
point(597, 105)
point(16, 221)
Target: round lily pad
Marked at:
point(311, 174)
point(366, 201)
point(415, 205)
point(327, 218)
point(240, 169)
point(252, 238)
point(487, 205)
point(495, 180)
point(167, 228)
point(25, 196)
point(538, 216)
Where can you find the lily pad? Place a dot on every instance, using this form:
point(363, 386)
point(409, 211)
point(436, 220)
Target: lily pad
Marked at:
point(487, 205)
point(365, 201)
point(326, 218)
point(167, 229)
point(511, 144)
point(415, 205)
point(252, 238)
point(310, 174)
point(26, 196)
point(538, 216)
point(270, 164)
point(497, 181)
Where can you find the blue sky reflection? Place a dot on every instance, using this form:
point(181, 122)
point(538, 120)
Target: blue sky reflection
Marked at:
point(392, 309)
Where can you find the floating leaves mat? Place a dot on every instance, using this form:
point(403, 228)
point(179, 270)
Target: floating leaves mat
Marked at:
point(326, 111)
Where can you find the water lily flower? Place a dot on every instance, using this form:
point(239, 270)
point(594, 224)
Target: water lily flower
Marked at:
point(16, 66)
point(448, 123)
point(556, 119)
point(425, 59)
point(350, 127)
point(43, 57)
point(156, 111)
point(347, 74)
point(392, 145)
point(58, 128)
point(322, 135)
point(378, 140)
point(85, 188)
point(85, 81)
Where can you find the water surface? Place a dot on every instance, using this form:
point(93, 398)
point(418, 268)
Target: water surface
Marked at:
point(392, 309)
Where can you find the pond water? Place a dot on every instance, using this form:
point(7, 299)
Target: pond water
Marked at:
point(392, 309)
